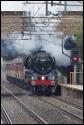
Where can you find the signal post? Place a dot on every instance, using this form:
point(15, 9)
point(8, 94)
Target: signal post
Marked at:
point(75, 76)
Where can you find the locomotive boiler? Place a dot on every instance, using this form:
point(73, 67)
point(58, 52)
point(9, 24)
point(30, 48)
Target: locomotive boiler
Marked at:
point(37, 72)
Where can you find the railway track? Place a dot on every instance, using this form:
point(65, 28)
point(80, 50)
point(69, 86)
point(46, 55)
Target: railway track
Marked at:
point(64, 111)
point(27, 109)
point(68, 102)
point(67, 113)
point(7, 119)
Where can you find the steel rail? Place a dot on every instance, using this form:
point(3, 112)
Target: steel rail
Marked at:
point(68, 102)
point(6, 115)
point(37, 117)
point(64, 111)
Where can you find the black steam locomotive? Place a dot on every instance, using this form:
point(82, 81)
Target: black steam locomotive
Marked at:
point(37, 72)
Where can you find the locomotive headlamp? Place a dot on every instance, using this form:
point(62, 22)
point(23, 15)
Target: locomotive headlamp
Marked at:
point(32, 78)
point(33, 82)
point(53, 77)
point(42, 77)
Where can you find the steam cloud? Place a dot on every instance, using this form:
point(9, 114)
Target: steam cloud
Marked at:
point(52, 44)
point(12, 49)
point(49, 43)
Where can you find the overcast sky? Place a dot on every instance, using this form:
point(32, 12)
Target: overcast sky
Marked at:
point(34, 8)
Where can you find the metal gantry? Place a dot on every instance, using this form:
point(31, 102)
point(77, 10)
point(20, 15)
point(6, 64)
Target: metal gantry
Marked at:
point(30, 22)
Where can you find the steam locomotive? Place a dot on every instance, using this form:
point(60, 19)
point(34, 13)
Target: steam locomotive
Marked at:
point(37, 72)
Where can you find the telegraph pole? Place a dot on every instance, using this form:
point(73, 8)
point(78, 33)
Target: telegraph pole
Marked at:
point(46, 8)
point(75, 70)
point(51, 3)
point(60, 2)
point(65, 6)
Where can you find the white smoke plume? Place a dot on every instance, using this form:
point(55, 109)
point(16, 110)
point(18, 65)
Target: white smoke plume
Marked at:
point(52, 47)
point(50, 43)
point(56, 51)
point(26, 46)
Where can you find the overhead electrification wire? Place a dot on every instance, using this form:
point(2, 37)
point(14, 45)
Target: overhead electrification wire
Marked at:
point(34, 19)
point(38, 10)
